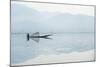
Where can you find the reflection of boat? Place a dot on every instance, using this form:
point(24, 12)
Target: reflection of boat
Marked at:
point(36, 36)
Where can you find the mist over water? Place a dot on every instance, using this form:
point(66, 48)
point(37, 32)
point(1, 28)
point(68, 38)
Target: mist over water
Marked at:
point(22, 50)
point(79, 37)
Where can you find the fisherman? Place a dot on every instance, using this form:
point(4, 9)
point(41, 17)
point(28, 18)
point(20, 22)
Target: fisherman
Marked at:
point(36, 36)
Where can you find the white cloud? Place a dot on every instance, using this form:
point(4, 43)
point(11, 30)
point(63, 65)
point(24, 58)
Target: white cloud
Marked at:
point(70, 57)
point(74, 9)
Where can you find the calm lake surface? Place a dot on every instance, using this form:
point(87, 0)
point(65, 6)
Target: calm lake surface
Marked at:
point(22, 50)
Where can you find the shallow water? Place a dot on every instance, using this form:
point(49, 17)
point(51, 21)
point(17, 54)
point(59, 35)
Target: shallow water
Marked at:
point(22, 50)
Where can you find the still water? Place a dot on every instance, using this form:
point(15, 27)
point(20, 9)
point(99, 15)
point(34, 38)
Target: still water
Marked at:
point(22, 50)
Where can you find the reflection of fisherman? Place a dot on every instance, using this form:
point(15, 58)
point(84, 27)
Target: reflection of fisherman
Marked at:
point(36, 35)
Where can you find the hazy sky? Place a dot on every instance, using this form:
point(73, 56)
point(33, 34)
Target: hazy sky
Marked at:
point(42, 17)
point(74, 9)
